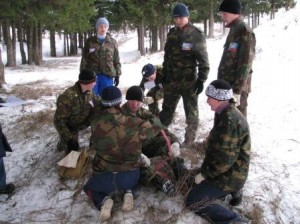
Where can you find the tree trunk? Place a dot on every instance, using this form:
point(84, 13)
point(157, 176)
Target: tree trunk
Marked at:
point(29, 32)
point(14, 42)
point(162, 37)
point(73, 44)
point(154, 41)
point(36, 45)
point(2, 78)
point(11, 62)
point(20, 35)
point(211, 21)
point(52, 43)
point(141, 45)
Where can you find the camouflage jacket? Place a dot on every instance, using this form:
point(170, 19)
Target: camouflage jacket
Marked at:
point(73, 110)
point(184, 51)
point(239, 51)
point(142, 113)
point(227, 157)
point(101, 58)
point(157, 81)
point(118, 139)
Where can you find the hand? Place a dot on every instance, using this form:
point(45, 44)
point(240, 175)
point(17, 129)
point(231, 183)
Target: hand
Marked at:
point(145, 161)
point(198, 87)
point(164, 80)
point(175, 149)
point(199, 178)
point(116, 81)
point(72, 145)
point(237, 98)
point(148, 100)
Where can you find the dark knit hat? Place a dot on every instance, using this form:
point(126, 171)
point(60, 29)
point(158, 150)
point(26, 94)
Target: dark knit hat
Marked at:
point(219, 90)
point(148, 70)
point(231, 6)
point(111, 96)
point(101, 21)
point(180, 10)
point(135, 93)
point(86, 76)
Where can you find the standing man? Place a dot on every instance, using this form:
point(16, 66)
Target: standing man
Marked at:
point(227, 158)
point(239, 51)
point(154, 74)
point(101, 54)
point(185, 68)
point(74, 108)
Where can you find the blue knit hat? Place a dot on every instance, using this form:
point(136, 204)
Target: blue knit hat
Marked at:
point(101, 21)
point(180, 10)
point(111, 96)
point(148, 70)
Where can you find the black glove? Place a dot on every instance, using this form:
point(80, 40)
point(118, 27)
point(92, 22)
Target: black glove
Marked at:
point(72, 145)
point(116, 81)
point(198, 87)
point(164, 80)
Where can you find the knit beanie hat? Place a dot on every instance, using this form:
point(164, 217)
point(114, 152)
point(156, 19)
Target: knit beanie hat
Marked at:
point(101, 21)
point(219, 90)
point(231, 6)
point(135, 93)
point(148, 70)
point(86, 76)
point(180, 10)
point(111, 96)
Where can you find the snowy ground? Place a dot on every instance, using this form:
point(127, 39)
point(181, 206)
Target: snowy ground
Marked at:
point(273, 188)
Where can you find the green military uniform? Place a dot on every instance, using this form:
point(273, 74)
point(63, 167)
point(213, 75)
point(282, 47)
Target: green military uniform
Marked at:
point(227, 157)
point(156, 92)
point(101, 58)
point(73, 110)
point(236, 62)
point(118, 138)
point(185, 51)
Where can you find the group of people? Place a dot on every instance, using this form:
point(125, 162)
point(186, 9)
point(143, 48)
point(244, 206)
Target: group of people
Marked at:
point(133, 145)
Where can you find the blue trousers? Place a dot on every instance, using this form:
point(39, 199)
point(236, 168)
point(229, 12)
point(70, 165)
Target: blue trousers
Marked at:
point(103, 184)
point(102, 81)
point(202, 200)
point(2, 174)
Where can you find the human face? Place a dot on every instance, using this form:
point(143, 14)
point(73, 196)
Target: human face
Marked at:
point(134, 105)
point(102, 29)
point(227, 17)
point(87, 87)
point(214, 104)
point(152, 77)
point(181, 21)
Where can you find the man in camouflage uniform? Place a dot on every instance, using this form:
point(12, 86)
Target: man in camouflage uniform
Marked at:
point(73, 110)
point(101, 54)
point(185, 51)
point(154, 74)
point(166, 167)
point(239, 51)
point(226, 163)
point(117, 138)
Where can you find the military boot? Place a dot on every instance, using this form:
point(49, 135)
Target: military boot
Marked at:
point(236, 198)
point(7, 189)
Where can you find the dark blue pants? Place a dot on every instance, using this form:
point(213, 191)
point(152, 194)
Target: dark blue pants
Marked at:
point(103, 184)
point(202, 200)
point(102, 81)
point(2, 174)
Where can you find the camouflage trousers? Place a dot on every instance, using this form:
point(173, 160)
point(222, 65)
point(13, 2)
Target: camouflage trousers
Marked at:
point(157, 94)
point(246, 89)
point(190, 102)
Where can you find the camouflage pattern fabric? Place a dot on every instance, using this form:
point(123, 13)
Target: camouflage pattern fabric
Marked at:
point(185, 50)
point(73, 110)
point(142, 113)
point(227, 157)
point(156, 92)
point(236, 63)
point(117, 139)
point(101, 58)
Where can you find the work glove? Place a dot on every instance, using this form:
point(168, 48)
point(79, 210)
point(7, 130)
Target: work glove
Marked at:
point(72, 145)
point(199, 178)
point(175, 149)
point(148, 100)
point(145, 161)
point(198, 87)
point(116, 81)
point(237, 98)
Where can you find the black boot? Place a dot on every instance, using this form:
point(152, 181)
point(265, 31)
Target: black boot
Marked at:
point(236, 198)
point(8, 189)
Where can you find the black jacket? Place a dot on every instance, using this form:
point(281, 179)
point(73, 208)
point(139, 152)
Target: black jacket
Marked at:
point(4, 145)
